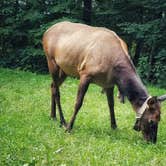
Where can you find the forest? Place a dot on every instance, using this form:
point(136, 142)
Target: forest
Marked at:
point(142, 24)
point(29, 137)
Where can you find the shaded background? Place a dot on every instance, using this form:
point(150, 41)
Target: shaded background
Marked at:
point(142, 24)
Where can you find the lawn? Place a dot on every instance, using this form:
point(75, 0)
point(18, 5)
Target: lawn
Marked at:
point(28, 137)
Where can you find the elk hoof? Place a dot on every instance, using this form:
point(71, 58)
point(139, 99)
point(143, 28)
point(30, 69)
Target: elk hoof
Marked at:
point(68, 129)
point(113, 126)
point(63, 124)
point(53, 118)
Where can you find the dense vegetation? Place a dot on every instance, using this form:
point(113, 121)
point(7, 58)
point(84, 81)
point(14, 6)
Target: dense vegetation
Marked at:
point(141, 23)
point(29, 138)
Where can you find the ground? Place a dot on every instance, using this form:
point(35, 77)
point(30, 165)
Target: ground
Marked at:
point(28, 137)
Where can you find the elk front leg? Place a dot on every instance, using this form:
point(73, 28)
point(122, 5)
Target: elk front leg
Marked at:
point(82, 89)
point(110, 99)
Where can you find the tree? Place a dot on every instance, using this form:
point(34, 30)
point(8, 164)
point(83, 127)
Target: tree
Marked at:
point(87, 10)
point(141, 23)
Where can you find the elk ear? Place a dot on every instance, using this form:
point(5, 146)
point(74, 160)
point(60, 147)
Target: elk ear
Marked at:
point(161, 98)
point(153, 100)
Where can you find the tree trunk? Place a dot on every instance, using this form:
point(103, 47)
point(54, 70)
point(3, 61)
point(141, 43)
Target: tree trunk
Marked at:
point(138, 49)
point(87, 10)
point(151, 63)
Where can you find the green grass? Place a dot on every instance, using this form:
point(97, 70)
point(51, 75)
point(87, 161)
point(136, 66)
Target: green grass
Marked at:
point(28, 137)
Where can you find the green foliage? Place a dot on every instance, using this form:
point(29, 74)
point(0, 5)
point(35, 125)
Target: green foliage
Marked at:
point(141, 23)
point(29, 137)
point(143, 67)
point(160, 68)
point(23, 24)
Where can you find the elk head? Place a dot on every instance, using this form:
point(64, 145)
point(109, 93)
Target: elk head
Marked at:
point(150, 117)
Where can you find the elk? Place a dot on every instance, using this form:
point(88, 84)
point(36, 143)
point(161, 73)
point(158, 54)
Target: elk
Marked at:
point(98, 55)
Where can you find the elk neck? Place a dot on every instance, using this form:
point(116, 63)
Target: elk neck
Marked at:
point(131, 86)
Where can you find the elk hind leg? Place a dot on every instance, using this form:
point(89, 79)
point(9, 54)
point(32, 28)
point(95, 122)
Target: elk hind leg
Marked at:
point(58, 77)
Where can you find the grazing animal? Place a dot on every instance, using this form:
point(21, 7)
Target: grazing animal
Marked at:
point(97, 55)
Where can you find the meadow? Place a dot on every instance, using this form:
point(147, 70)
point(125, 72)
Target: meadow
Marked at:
point(29, 137)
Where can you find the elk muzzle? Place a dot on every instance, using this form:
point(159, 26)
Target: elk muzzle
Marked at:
point(150, 132)
point(153, 131)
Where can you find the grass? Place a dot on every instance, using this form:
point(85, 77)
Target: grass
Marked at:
point(28, 137)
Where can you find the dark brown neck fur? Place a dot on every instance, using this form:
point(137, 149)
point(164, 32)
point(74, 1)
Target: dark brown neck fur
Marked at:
point(130, 85)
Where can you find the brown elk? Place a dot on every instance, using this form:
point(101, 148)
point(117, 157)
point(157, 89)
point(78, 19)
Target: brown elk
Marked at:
point(97, 55)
